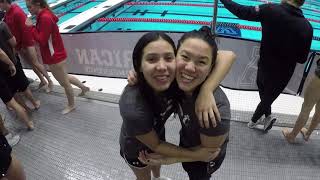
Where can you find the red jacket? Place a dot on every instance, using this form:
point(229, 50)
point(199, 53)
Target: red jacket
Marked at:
point(15, 18)
point(46, 33)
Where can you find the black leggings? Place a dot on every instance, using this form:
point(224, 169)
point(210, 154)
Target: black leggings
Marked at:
point(270, 85)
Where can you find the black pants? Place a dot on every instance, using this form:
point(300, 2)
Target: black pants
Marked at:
point(270, 83)
point(203, 170)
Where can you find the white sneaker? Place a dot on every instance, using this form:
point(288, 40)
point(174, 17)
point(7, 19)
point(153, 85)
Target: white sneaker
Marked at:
point(160, 178)
point(252, 125)
point(268, 122)
point(12, 140)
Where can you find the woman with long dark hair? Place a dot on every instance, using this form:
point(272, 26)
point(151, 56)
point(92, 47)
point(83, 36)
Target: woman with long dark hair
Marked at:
point(146, 106)
point(196, 57)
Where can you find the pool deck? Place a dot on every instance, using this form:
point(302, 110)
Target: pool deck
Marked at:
point(84, 143)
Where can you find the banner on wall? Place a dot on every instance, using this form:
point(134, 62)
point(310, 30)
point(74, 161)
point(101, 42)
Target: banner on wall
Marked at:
point(109, 55)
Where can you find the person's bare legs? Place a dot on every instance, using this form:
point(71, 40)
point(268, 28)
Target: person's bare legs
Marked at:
point(21, 112)
point(30, 55)
point(155, 171)
point(15, 171)
point(142, 174)
point(21, 101)
point(311, 96)
point(306, 132)
point(28, 94)
point(73, 80)
point(58, 71)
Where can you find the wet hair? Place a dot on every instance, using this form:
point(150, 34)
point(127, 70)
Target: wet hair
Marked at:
point(137, 55)
point(8, 1)
point(204, 33)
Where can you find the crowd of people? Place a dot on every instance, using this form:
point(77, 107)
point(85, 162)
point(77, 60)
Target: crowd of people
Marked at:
point(167, 79)
point(18, 38)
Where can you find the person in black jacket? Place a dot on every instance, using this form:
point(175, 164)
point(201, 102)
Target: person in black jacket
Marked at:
point(286, 40)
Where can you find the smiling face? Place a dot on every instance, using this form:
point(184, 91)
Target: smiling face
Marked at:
point(158, 65)
point(194, 63)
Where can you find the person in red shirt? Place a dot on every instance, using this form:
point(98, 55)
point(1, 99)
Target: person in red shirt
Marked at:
point(15, 18)
point(46, 33)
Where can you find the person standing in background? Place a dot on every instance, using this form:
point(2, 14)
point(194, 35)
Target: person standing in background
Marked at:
point(15, 19)
point(286, 40)
point(311, 99)
point(53, 53)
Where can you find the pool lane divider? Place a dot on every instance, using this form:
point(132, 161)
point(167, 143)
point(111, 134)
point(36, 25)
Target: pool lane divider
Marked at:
point(233, 27)
point(167, 4)
point(192, 4)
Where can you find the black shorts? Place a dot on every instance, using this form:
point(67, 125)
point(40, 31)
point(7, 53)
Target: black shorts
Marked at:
point(19, 82)
point(5, 156)
point(202, 170)
point(134, 162)
point(5, 92)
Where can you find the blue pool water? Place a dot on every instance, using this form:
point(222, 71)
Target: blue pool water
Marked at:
point(192, 10)
point(67, 10)
point(176, 16)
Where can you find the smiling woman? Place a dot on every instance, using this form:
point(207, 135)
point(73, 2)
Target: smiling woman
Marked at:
point(146, 106)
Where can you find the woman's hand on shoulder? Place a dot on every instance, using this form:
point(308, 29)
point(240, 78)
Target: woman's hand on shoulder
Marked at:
point(132, 78)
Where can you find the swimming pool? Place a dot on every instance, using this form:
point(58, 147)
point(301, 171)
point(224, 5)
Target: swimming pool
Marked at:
point(66, 9)
point(121, 22)
point(173, 16)
point(186, 15)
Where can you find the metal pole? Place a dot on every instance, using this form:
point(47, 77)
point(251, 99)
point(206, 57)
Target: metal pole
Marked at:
point(214, 18)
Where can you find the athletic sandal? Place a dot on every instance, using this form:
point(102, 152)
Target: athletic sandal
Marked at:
point(304, 131)
point(12, 139)
point(286, 134)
